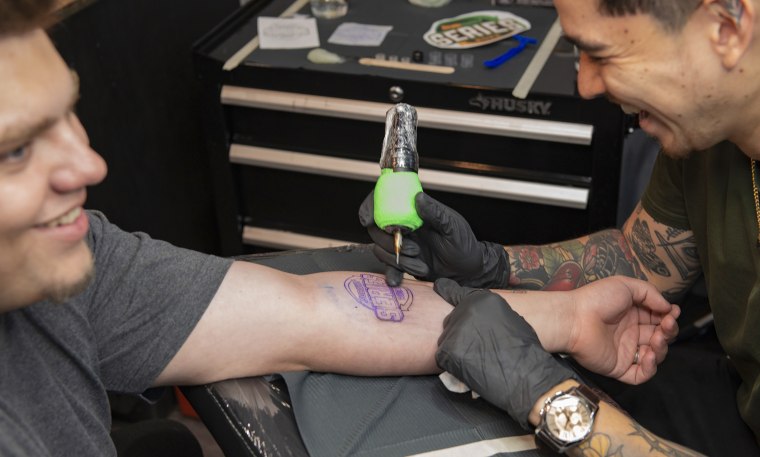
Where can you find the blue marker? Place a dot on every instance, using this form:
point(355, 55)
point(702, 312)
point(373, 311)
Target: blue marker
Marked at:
point(522, 42)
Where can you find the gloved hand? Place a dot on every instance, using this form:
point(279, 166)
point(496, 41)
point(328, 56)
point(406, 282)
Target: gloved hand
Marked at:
point(493, 350)
point(444, 247)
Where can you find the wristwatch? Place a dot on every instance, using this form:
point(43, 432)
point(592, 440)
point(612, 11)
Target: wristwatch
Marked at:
point(567, 418)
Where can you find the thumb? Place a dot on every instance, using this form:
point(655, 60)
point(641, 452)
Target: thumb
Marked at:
point(647, 295)
point(393, 276)
point(367, 210)
point(449, 290)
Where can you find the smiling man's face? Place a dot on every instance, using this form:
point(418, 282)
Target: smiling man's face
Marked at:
point(673, 81)
point(45, 165)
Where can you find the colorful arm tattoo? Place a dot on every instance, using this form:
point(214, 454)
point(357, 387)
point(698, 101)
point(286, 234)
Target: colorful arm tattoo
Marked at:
point(571, 264)
point(649, 251)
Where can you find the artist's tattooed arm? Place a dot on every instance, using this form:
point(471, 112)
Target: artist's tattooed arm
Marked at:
point(605, 445)
point(616, 434)
point(629, 440)
point(667, 255)
point(573, 263)
point(644, 249)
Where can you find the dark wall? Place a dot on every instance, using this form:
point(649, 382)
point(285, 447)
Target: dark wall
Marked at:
point(140, 105)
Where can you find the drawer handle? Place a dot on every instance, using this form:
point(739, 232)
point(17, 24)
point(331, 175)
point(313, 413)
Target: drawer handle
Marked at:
point(461, 183)
point(460, 121)
point(280, 239)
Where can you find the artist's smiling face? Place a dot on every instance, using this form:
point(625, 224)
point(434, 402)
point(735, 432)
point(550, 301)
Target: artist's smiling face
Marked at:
point(45, 165)
point(670, 79)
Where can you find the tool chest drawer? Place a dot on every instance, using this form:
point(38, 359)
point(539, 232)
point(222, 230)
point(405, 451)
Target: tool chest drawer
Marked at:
point(294, 146)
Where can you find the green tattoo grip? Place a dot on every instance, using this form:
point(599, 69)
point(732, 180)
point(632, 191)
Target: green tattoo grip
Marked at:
point(394, 199)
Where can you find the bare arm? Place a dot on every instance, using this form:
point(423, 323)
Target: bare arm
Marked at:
point(644, 249)
point(263, 321)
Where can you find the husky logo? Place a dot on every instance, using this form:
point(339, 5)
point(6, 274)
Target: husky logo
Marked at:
point(512, 105)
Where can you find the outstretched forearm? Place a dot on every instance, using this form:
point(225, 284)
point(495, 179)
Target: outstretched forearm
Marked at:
point(262, 321)
point(570, 264)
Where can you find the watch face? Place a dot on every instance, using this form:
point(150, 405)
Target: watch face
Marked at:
point(568, 418)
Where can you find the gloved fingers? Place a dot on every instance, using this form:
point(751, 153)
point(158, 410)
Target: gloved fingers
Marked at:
point(384, 256)
point(384, 239)
point(393, 276)
point(446, 361)
point(381, 238)
point(367, 211)
point(433, 213)
point(411, 265)
point(449, 290)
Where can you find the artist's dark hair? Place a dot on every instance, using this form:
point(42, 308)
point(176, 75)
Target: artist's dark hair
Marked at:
point(19, 16)
point(672, 14)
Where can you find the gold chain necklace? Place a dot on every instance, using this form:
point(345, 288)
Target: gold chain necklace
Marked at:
point(752, 166)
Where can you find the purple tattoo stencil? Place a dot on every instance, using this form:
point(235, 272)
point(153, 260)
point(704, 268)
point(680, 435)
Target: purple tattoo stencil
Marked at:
point(371, 291)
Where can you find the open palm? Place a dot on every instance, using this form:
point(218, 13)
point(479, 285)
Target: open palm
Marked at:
point(616, 317)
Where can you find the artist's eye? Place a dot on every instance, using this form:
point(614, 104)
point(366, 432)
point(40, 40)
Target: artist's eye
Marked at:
point(595, 59)
point(16, 155)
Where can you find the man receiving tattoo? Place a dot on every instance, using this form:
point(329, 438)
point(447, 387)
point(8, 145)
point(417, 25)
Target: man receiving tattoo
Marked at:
point(87, 309)
point(688, 69)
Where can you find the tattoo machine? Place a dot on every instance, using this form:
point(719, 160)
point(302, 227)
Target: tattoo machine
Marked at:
point(398, 183)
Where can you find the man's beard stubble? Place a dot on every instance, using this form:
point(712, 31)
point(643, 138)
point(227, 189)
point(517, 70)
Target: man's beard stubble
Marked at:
point(62, 293)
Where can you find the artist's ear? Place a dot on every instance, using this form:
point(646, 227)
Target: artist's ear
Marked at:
point(732, 25)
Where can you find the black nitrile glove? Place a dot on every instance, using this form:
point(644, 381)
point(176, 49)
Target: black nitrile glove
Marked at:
point(493, 350)
point(444, 247)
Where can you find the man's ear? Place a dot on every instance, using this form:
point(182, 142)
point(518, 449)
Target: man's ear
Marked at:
point(732, 28)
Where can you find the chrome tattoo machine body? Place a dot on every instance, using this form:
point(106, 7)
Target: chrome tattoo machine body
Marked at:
point(398, 183)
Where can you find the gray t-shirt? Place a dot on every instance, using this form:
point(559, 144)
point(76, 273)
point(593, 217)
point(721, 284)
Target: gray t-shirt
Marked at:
point(60, 360)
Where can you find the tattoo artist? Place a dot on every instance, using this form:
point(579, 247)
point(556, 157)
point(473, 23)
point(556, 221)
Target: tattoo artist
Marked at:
point(688, 69)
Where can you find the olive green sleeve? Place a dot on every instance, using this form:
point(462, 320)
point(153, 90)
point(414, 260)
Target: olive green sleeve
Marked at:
point(663, 198)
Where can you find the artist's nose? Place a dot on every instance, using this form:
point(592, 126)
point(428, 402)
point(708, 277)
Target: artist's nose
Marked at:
point(78, 165)
point(590, 82)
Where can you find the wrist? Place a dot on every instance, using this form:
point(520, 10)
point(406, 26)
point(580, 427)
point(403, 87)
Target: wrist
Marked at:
point(547, 312)
point(534, 417)
point(496, 268)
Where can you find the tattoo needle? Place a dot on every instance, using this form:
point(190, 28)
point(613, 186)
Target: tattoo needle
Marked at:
point(397, 242)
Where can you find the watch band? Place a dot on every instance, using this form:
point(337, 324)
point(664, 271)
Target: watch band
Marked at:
point(589, 393)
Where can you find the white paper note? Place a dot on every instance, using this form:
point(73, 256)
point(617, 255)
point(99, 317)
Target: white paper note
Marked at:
point(287, 33)
point(355, 34)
